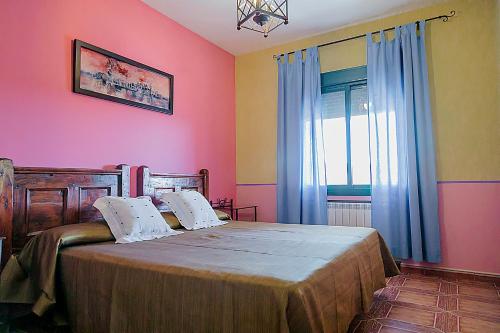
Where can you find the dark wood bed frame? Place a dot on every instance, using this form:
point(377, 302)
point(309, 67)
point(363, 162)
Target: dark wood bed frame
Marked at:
point(35, 199)
point(155, 184)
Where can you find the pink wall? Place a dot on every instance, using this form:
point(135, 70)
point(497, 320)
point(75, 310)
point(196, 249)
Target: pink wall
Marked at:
point(470, 225)
point(45, 124)
point(262, 195)
point(469, 214)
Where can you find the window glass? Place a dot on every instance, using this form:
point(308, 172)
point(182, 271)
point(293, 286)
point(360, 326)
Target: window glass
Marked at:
point(334, 134)
point(346, 131)
point(360, 149)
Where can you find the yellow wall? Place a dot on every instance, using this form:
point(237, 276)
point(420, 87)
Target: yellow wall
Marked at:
point(464, 70)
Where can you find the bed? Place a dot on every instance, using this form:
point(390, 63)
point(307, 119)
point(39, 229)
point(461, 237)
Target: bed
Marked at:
point(239, 277)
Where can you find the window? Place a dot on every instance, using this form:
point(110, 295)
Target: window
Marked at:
point(345, 130)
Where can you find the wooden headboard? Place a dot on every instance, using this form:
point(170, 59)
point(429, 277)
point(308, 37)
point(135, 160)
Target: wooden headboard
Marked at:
point(35, 199)
point(155, 184)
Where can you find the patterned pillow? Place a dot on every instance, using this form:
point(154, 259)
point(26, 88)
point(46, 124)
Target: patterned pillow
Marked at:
point(133, 219)
point(192, 209)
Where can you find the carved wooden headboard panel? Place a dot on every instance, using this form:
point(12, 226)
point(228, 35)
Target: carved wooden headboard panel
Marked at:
point(36, 199)
point(155, 184)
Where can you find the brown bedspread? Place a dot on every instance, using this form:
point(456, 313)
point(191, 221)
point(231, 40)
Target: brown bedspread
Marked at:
point(240, 277)
point(30, 276)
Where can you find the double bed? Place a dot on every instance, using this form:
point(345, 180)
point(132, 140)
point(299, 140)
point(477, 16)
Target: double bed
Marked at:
point(238, 277)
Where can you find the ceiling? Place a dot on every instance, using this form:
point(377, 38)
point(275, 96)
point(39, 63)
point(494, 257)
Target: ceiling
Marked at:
point(215, 20)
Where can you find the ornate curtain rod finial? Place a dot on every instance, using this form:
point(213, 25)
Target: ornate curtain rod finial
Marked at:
point(447, 17)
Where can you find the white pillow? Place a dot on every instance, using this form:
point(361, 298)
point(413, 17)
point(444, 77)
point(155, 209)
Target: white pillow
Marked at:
point(192, 209)
point(133, 219)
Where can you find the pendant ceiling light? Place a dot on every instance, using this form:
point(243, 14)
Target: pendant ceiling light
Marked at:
point(262, 15)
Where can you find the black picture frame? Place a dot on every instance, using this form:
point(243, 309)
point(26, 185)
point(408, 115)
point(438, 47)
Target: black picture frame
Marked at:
point(78, 45)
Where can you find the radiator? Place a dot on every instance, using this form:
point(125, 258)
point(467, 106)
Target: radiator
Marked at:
point(352, 214)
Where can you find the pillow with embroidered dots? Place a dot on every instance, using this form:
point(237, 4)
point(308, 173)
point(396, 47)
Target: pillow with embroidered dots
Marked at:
point(133, 219)
point(192, 209)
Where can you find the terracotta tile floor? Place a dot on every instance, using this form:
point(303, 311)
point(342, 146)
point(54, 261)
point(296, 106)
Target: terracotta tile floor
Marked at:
point(418, 303)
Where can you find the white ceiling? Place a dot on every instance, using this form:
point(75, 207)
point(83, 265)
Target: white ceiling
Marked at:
point(215, 20)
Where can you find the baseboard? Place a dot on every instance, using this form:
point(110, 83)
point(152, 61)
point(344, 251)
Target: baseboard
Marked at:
point(450, 273)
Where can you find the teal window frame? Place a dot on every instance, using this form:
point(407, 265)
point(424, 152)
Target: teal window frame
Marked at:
point(346, 80)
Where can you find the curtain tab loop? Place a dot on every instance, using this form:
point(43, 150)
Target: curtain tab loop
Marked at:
point(369, 38)
point(382, 36)
point(421, 26)
point(298, 55)
point(312, 53)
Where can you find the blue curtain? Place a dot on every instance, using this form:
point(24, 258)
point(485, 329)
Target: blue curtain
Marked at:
point(404, 188)
point(301, 190)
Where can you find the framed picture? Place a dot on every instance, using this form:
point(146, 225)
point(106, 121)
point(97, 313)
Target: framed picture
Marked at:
point(103, 74)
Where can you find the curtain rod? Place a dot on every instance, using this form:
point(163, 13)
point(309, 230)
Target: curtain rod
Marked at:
point(444, 18)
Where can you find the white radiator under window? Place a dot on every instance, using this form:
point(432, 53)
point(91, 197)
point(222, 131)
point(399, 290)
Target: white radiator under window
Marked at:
point(351, 214)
